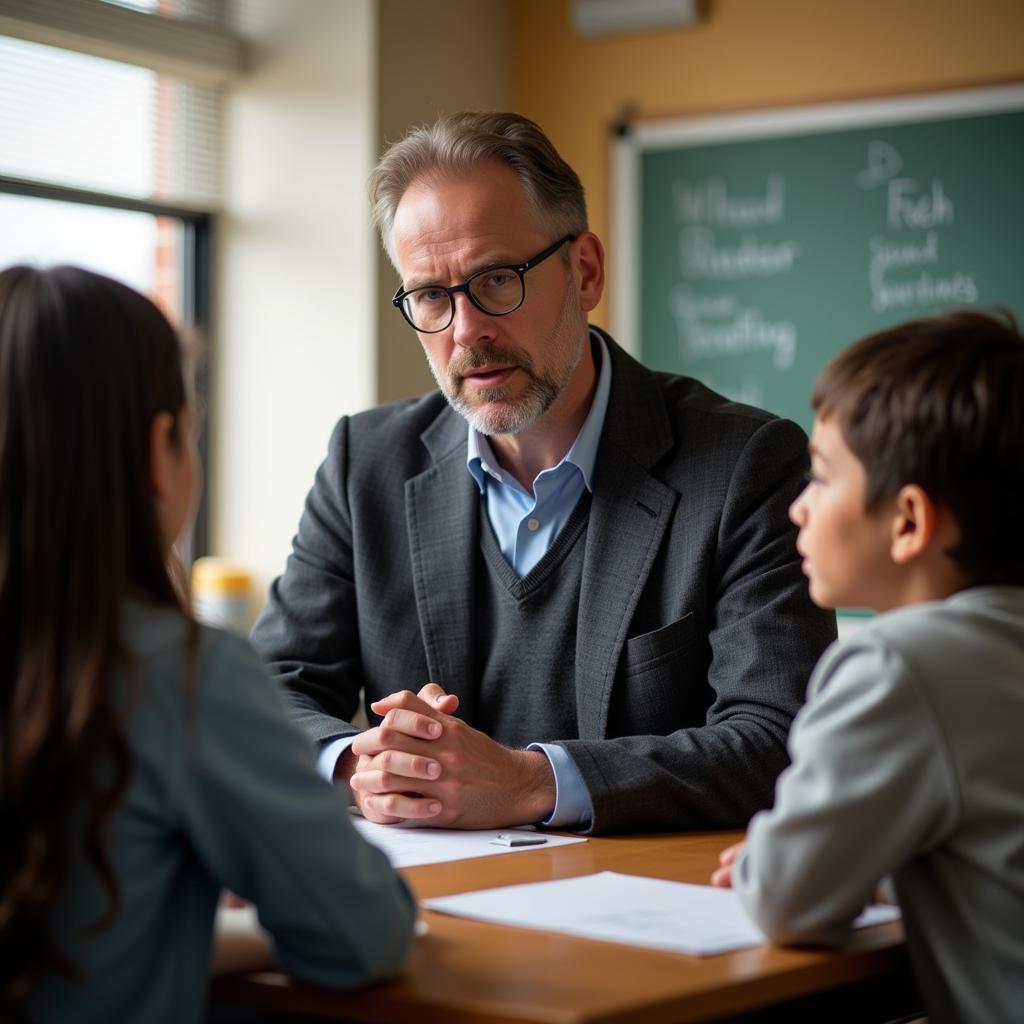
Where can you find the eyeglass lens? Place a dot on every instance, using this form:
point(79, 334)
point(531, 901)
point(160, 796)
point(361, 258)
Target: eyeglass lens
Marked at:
point(494, 291)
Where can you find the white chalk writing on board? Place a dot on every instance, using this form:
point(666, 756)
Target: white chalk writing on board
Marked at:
point(709, 202)
point(717, 324)
point(903, 270)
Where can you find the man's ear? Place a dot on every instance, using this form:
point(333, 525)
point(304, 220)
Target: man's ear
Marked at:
point(161, 452)
point(588, 265)
point(915, 523)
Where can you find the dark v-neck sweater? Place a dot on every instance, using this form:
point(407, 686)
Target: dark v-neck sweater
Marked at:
point(526, 636)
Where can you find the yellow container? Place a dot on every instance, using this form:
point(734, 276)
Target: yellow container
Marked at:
point(221, 594)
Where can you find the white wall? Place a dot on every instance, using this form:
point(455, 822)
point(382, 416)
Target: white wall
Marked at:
point(303, 327)
point(294, 269)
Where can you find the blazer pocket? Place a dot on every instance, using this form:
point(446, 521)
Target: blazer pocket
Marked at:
point(648, 650)
point(661, 684)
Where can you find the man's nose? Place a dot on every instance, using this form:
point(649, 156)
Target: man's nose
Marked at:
point(471, 326)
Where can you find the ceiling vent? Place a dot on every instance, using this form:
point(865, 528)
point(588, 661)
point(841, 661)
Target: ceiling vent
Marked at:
point(610, 17)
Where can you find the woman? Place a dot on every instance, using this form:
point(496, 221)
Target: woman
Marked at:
point(145, 762)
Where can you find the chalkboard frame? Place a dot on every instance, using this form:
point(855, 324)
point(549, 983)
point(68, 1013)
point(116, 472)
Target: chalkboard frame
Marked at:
point(632, 138)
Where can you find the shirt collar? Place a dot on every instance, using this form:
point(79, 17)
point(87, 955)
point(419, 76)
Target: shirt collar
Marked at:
point(480, 459)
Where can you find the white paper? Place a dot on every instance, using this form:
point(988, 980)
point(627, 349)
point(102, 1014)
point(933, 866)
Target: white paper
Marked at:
point(409, 846)
point(672, 916)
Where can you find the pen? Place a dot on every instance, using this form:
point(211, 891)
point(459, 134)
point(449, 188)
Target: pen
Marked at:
point(517, 839)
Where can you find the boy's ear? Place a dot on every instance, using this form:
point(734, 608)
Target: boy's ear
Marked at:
point(914, 525)
point(161, 450)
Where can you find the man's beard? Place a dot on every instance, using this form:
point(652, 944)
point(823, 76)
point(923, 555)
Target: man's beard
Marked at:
point(506, 415)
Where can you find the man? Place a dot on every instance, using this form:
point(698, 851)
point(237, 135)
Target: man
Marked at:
point(597, 574)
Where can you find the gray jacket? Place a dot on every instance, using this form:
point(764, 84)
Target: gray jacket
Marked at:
point(695, 634)
point(907, 761)
point(223, 793)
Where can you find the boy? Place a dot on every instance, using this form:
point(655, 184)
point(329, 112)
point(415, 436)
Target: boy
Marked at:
point(908, 758)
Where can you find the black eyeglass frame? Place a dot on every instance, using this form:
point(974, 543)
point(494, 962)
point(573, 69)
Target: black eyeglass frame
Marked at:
point(519, 269)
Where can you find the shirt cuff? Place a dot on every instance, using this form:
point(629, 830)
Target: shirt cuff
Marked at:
point(330, 752)
point(573, 807)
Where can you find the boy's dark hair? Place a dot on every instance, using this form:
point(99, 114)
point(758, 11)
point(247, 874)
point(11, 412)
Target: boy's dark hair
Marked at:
point(939, 402)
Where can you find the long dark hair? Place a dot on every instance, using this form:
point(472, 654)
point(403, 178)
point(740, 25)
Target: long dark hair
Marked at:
point(85, 365)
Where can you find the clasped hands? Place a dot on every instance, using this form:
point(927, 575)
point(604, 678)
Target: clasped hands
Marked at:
point(422, 765)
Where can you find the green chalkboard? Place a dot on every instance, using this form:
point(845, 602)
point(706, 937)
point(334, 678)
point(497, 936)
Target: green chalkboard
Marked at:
point(750, 248)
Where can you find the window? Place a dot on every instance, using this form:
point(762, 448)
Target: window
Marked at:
point(113, 164)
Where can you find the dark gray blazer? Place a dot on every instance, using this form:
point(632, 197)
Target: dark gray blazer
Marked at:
point(695, 637)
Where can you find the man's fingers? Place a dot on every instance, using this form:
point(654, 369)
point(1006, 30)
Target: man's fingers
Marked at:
point(380, 819)
point(434, 694)
point(387, 786)
point(366, 744)
point(409, 738)
point(399, 766)
point(383, 782)
point(432, 697)
point(411, 723)
point(404, 699)
point(399, 806)
point(370, 814)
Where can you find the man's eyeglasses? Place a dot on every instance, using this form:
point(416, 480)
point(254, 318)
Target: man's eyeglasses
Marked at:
point(495, 291)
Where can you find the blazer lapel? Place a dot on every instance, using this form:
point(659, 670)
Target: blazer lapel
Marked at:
point(441, 512)
point(629, 513)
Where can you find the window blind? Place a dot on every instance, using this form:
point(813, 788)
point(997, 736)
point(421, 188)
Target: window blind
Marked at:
point(78, 118)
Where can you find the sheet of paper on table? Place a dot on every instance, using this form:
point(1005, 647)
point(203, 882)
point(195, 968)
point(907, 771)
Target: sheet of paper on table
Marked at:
point(408, 847)
point(672, 916)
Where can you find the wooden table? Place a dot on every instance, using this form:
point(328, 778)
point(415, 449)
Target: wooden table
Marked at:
point(465, 971)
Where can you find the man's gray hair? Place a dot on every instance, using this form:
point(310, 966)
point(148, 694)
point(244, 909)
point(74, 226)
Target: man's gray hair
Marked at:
point(456, 143)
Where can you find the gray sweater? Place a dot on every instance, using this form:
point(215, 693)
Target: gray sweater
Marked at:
point(223, 793)
point(907, 760)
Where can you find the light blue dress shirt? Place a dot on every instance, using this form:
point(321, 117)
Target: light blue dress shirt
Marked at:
point(525, 526)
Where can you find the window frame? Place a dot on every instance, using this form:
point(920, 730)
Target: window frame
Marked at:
point(195, 294)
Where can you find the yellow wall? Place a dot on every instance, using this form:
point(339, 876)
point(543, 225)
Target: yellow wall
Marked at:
point(746, 54)
point(431, 59)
